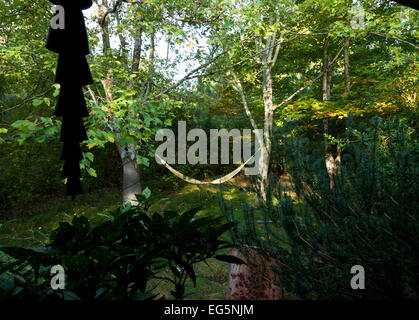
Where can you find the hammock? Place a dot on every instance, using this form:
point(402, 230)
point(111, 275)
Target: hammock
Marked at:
point(190, 180)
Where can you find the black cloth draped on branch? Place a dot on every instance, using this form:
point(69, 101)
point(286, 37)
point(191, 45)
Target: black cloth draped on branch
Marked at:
point(71, 44)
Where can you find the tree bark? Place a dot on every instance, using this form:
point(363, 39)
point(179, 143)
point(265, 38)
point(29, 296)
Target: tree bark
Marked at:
point(103, 24)
point(325, 82)
point(256, 280)
point(149, 85)
point(136, 55)
point(268, 61)
point(131, 184)
point(266, 150)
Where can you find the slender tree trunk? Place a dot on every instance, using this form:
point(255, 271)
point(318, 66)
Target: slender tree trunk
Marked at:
point(346, 66)
point(325, 70)
point(266, 151)
point(123, 42)
point(268, 61)
point(136, 56)
point(325, 94)
point(103, 24)
point(168, 50)
point(329, 76)
point(149, 85)
point(332, 163)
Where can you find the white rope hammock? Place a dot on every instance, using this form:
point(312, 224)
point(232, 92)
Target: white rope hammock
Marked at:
point(190, 180)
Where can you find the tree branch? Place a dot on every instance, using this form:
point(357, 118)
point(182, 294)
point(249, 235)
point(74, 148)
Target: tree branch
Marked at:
point(395, 38)
point(239, 89)
point(109, 11)
point(308, 84)
point(188, 76)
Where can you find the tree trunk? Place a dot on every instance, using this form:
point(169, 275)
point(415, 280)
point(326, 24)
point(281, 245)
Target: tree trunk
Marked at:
point(149, 85)
point(325, 82)
point(257, 280)
point(168, 50)
point(123, 42)
point(325, 94)
point(332, 163)
point(103, 24)
point(131, 181)
point(266, 151)
point(136, 55)
point(346, 66)
point(254, 281)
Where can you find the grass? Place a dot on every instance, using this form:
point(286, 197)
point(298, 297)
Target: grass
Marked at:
point(30, 227)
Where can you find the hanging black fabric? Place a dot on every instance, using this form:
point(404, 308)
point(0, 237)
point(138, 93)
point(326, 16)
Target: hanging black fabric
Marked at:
point(73, 72)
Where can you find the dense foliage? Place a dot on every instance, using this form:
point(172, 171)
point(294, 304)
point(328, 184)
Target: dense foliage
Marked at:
point(368, 216)
point(324, 79)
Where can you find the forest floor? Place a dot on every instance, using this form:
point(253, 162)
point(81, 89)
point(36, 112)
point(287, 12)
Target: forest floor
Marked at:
point(31, 226)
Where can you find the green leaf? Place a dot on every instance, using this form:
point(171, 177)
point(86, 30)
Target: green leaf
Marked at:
point(92, 172)
point(89, 156)
point(36, 102)
point(24, 125)
point(146, 193)
point(143, 160)
point(111, 138)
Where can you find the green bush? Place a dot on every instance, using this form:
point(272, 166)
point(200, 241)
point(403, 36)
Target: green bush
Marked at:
point(116, 259)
